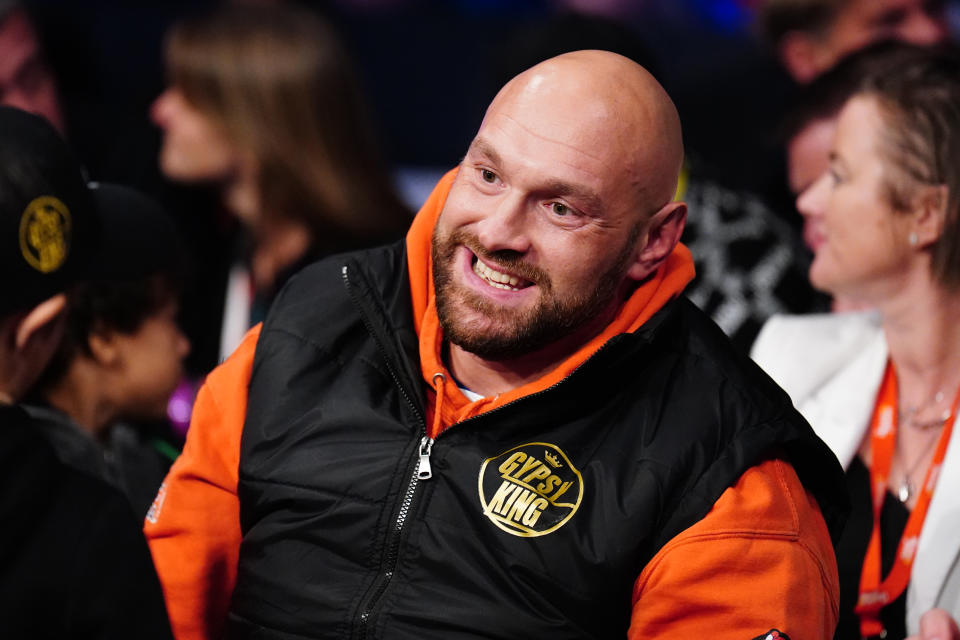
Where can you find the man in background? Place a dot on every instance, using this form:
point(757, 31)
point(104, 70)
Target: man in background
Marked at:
point(72, 561)
point(810, 36)
point(26, 80)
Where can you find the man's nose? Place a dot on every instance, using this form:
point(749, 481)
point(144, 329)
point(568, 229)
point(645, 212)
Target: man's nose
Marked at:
point(506, 224)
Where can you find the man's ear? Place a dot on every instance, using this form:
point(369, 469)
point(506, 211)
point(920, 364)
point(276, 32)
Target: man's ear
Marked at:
point(800, 54)
point(39, 320)
point(662, 234)
point(930, 214)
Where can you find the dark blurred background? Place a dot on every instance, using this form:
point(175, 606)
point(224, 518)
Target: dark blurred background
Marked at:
point(429, 68)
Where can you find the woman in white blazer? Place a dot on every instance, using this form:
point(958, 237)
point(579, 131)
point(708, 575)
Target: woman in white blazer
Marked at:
point(882, 388)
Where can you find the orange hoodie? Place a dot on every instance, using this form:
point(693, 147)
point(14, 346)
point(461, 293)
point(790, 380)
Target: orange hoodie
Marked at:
point(760, 559)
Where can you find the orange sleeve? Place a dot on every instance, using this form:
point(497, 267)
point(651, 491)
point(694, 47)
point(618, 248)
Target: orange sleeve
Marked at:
point(193, 527)
point(760, 560)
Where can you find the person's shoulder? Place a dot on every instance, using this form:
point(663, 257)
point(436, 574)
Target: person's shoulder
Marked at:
point(73, 446)
point(826, 329)
point(35, 479)
point(373, 262)
point(823, 343)
point(708, 377)
point(323, 287)
point(714, 360)
point(56, 509)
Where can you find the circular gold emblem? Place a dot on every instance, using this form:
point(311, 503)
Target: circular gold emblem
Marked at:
point(530, 490)
point(45, 233)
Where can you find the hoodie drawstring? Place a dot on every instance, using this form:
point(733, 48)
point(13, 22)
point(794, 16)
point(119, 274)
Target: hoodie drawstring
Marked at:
point(439, 387)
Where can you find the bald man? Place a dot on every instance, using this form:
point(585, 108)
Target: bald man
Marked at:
point(511, 425)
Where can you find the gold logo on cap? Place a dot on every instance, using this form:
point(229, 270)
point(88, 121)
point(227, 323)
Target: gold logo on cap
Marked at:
point(530, 490)
point(45, 233)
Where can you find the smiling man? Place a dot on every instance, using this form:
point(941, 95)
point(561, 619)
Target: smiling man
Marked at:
point(512, 424)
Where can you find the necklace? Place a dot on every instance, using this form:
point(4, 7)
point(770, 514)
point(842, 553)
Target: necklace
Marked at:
point(906, 489)
point(908, 415)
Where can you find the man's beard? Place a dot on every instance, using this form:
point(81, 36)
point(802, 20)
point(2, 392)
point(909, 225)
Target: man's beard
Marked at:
point(516, 333)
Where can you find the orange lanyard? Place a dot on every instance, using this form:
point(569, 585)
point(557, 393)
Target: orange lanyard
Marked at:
point(874, 593)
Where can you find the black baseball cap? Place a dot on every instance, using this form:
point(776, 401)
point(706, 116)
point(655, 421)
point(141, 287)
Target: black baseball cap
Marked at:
point(49, 229)
point(138, 238)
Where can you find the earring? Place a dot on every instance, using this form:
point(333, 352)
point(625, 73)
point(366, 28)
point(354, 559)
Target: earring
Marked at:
point(913, 238)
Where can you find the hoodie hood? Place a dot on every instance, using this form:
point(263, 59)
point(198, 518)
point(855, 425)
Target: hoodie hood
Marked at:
point(665, 284)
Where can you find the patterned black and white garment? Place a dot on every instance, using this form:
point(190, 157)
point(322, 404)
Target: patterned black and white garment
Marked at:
point(750, 262)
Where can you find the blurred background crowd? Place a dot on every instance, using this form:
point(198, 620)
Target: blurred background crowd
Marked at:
point(252, 138)
point(423, 71)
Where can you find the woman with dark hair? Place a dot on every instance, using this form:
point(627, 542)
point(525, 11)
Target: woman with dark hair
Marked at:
point(262, 103)
point(882, 388)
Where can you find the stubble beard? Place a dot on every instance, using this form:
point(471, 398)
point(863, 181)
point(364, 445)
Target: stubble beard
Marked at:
point(506, 333)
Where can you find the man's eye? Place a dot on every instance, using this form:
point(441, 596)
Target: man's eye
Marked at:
point(560, 209)
point(488, 176)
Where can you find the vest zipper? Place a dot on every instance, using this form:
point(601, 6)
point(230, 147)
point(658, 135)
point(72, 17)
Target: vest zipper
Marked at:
point(421, 470)
point(383, 352)
point(424, 472)
point(393, 553)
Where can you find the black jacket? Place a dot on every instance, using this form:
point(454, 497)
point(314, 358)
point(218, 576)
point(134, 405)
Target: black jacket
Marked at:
point(538, 516)
point(73, 561)
point(130, 459)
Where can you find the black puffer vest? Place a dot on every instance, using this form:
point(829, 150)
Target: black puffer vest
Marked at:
point(538, 516)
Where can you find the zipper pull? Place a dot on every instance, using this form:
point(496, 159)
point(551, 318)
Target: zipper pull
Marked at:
point(425, 472)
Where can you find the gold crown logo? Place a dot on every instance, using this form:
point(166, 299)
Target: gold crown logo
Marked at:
point(552, 459)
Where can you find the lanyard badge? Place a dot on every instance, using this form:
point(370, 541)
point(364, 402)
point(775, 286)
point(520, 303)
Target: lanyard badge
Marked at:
point(876, 591)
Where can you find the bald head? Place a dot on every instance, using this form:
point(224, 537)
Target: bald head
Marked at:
point(562, 204)
point(607, 105)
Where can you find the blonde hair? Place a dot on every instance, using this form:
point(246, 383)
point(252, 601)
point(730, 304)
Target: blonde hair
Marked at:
point(277, 82)
point(920, 104)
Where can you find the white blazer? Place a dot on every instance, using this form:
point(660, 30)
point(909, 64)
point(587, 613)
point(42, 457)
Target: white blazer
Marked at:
point(832, 366)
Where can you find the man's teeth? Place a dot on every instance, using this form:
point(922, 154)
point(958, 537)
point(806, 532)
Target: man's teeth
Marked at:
point(495, 278)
